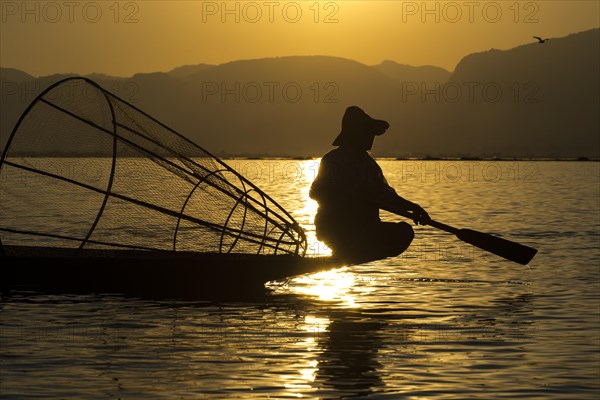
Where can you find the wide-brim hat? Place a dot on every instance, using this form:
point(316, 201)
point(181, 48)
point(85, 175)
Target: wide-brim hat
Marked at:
point(357, 126)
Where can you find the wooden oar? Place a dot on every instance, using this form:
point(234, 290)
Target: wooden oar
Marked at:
point(502, 247)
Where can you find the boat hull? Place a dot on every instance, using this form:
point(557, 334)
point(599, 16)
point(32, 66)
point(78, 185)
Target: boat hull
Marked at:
point(163, 274)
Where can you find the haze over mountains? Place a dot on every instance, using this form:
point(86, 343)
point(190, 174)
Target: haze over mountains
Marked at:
point(533, 100)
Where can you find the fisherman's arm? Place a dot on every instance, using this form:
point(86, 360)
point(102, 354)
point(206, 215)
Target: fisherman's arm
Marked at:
point(420, 216)
point(387, 199)
point(395, 203)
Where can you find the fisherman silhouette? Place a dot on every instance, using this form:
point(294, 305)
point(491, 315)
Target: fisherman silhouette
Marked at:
point(351, 189)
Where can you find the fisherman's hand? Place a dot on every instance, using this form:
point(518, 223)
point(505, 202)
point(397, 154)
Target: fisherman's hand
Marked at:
point(420, 215)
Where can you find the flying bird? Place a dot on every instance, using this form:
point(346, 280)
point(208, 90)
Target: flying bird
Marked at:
point(540, 40)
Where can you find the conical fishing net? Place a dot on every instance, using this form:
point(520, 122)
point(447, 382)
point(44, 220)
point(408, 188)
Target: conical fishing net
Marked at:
point(85, 169)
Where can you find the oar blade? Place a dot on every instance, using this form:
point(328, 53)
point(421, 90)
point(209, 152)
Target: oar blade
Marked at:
point(502, 247)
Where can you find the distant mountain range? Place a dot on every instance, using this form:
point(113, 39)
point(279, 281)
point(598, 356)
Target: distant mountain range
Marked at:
point(533, 100)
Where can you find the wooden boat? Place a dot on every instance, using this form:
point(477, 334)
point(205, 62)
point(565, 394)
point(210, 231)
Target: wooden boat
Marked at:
point(99, 196)
point(155, 274)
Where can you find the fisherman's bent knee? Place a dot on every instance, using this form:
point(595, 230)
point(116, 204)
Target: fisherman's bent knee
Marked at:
point(401, 238)
point(384, 239)
point(407, 231)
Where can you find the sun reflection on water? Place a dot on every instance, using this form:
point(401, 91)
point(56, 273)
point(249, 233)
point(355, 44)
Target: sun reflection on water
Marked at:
point(307, 366)
point(315, 248)
point(337, 285)
point(308, 210)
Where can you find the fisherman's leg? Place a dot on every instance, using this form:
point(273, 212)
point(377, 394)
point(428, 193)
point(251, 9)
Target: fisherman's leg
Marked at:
point(385, 239)
point(381, 240)
point(346, 244)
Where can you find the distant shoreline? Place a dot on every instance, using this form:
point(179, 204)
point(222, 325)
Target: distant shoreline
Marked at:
point(306, 158)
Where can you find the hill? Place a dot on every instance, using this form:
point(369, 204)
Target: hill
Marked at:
point(531, 100)
point(409, 73)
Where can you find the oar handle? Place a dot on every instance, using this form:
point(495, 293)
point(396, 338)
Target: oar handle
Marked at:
point(435, 224)
point(444, 227)
point(502, 247)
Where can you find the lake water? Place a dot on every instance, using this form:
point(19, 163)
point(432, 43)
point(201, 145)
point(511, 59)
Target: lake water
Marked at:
point(444, 320)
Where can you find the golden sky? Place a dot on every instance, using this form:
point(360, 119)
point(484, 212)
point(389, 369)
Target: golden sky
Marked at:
point(45, 37)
